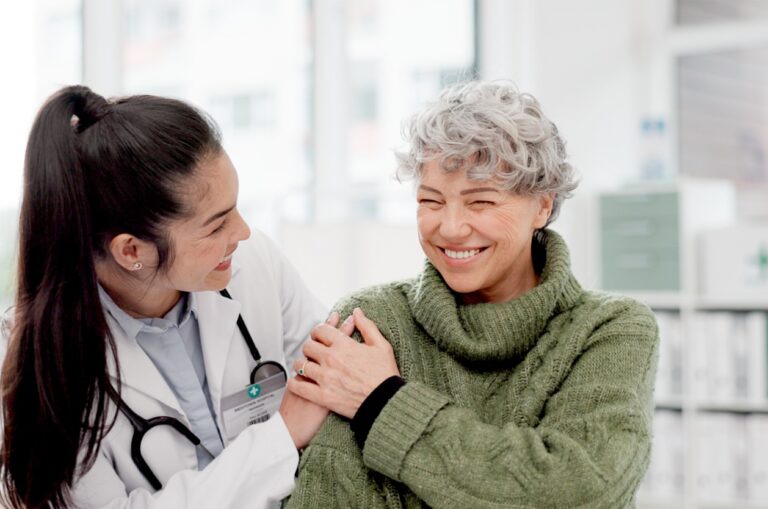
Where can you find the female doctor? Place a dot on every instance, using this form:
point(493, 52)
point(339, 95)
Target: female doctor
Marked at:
point(144, 361)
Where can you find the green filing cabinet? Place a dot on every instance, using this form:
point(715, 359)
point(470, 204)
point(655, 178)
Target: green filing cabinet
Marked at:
point(640, 243)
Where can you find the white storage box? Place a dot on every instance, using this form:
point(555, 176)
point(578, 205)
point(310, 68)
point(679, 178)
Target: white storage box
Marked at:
point(733, 266)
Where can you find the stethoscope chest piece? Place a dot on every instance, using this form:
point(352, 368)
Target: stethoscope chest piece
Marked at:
point(265, 371)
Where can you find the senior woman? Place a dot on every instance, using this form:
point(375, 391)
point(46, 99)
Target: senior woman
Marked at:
point(515, 387)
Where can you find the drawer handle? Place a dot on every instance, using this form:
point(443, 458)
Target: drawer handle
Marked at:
point(640, 228)
point(636, 198)
point(635, 261)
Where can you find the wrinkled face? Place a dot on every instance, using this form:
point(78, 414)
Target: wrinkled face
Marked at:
point(478, 235)
point(203, 243)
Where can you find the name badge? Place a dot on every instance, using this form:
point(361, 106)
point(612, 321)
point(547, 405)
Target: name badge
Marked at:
point(254, 404)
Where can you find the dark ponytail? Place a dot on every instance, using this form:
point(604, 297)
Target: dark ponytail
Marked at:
point(93, 169)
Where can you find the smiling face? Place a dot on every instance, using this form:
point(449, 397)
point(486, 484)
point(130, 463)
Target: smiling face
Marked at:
point(203, 243)
point(478, 235)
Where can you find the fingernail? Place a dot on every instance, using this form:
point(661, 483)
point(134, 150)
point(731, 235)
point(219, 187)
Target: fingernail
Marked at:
point(348, 320)
point(332, 317)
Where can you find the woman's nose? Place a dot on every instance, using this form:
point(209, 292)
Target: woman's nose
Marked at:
point(244, 231)
point(454, 224)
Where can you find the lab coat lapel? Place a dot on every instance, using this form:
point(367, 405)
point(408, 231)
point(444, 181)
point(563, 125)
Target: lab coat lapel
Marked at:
point(217, 319)
point(138, 372)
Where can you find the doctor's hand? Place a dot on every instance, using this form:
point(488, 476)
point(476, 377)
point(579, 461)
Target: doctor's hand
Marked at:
point(304, 418)
point(339, 373)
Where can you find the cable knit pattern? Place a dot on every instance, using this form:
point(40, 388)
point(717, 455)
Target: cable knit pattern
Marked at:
point(542, 401)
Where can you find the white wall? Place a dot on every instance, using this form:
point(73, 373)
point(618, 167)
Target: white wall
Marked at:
point(335, 260)
point(586, 78)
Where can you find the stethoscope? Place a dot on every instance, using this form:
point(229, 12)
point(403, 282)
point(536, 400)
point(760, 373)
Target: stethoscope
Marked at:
point(262, 371)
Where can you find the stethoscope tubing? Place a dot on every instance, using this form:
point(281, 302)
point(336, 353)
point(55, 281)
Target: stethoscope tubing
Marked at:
point(141, 425)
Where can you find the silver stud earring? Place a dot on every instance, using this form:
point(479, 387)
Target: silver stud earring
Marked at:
point(137, 266)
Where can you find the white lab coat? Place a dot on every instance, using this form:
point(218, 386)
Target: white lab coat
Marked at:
point(257, 469)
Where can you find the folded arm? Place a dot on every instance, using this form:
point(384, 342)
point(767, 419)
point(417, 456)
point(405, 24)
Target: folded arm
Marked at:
point(590, 447)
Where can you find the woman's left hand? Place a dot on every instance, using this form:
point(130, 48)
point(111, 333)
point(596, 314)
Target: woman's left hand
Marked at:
point(338, 372)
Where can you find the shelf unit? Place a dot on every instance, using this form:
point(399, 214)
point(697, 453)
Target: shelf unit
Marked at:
point(685, 412)
point(702, 59)
point(693, 409)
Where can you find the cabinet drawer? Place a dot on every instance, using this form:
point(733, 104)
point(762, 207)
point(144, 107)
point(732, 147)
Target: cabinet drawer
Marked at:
point(640, 269)
point(640, 205)
point(639, 233)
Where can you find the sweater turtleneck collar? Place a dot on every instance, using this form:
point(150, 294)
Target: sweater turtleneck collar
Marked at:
point(495, 332)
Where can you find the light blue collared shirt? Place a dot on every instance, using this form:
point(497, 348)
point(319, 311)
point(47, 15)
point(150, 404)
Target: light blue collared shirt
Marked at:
point(173, 344)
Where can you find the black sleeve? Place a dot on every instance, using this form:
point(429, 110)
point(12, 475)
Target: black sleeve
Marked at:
point(372, 407)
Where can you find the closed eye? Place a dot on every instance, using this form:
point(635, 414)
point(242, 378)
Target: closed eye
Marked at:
point(219, 228)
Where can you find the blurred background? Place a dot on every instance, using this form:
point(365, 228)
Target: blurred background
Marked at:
point(663, 104)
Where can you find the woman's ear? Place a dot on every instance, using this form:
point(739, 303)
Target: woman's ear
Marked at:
point(546, 202)
point(130, 253)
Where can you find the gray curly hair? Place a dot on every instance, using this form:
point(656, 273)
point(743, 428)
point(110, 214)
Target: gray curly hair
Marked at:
point(495, 133)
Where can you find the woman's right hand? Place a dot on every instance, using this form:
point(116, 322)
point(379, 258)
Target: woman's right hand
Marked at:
point(302, 417)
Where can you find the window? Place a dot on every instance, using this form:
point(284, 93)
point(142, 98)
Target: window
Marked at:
point(396, 61)
point(720, 50)
point(264, 70)
point(254, 67)
point(248, 110)
point(45, 37)
point(723, 115)
point(696, 12)
point(246, 63)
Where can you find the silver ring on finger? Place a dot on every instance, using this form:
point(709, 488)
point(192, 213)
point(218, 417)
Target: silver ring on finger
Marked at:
point(301, 369)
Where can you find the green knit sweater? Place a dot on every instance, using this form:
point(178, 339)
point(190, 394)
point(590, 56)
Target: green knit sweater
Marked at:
point(540, 402)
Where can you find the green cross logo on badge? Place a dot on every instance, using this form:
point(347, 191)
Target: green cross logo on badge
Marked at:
point(253, 391)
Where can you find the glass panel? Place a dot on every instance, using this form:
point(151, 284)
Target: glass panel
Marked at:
point(723, 115)
point(397, 61)
point(248, 64)
point(696, 12)
point(44, 39)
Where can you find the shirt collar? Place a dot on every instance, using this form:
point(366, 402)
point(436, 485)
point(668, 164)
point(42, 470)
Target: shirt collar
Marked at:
point(190, 309)
point(178, 315)
point(129, 324)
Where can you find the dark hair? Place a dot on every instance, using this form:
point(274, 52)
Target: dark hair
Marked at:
point(93, 169)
